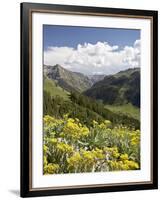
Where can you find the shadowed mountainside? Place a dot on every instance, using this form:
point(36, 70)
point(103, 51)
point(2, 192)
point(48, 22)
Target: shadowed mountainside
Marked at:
point(121, 88)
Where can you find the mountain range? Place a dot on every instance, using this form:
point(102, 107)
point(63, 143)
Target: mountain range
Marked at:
point(96, 77)
point(120, 88)
point(70, 81)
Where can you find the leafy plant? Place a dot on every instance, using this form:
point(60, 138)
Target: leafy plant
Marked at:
point(72, 147)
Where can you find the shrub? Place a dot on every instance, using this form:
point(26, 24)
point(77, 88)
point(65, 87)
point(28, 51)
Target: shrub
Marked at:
point(72, 147)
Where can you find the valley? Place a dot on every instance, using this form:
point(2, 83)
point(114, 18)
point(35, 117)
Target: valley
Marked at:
point(110, 97)
point(91, 123)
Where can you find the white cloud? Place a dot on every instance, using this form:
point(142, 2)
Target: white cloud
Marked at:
point(89, 58)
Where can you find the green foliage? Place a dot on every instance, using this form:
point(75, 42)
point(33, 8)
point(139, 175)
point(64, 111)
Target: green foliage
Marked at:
point(99, 108)
point(54, 89)
point(84, 135)
point(127, 109)
point(71, 147)
point(133, 93)
point(85, 109)
point(121, 88)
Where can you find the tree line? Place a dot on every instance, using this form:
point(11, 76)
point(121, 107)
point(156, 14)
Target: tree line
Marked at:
point(85, 109)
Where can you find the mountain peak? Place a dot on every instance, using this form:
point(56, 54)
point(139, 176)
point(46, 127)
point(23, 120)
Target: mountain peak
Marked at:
point(70, 81)
point(58, 66)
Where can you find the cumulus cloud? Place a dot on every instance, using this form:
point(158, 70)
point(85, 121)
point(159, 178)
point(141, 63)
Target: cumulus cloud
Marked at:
point(94, 58)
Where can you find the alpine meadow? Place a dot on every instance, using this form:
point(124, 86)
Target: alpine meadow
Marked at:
point(91, 99)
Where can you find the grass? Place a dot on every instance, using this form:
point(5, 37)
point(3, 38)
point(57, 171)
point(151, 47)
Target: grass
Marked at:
point(127, 109)
point(127, 72)
point(55, 90)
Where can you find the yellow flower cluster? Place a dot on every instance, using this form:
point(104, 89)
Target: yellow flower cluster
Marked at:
point(52, 140)
point(75, 130)
point(135, 140)
point(45, 148)
point(103, 125)
point(124, 156)
point(51, 168)
point(74, 160)
point(71, 147)
point(122, 165)
point(98, 153)
point(90, 159)
point(111, 152)
point(51, 122)
point(85, 159)
point(65, 148)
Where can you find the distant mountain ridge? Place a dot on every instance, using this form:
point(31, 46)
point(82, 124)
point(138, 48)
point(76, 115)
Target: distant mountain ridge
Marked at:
point(120, 88)
point(96, 77)
point(68, 80)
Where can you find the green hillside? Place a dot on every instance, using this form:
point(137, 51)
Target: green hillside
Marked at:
point(54, 89)
point(127, 109)
point(58, 102)
point(95, 131)
point(121, 88)
point(126, 72)
point(85, 109)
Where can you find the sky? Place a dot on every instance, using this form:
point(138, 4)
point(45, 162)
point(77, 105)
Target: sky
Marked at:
point(91, 50)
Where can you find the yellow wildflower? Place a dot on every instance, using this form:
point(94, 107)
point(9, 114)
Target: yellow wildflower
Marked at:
point(53, 141)
point(64, 147)
point(45, 149)
point(74, 160)
point(124, 156)
point(98, 153)
point(51, 168)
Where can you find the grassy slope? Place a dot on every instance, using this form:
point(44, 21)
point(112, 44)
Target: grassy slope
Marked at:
point(127, 72)
point(117, 88)
point(127, 109)
point(50, 86)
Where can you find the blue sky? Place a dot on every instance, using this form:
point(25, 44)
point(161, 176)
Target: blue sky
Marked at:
point(71, 36)
point(91, 50)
